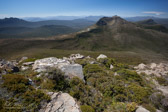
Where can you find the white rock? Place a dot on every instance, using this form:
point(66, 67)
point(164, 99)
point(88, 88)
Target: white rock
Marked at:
point(153, 65)
point(70, 70)
point(28, 63)
point(140, 66)
point(111, 66)
point(141, 109)
point(101, 56)
point(22, 59)
point(76, 56)
point(61, 102)
point(23, 68)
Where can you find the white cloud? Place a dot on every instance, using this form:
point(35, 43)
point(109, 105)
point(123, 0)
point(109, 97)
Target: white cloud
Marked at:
point(154, 12)
point(3, 15)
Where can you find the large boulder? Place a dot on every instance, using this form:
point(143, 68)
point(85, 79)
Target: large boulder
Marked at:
point(141, 109)
point(61, 102)
point(101, 56)
point(70, 70)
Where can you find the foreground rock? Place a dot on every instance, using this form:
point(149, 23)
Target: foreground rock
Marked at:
point(61, 102)
point(70, 70)
point(141, 109)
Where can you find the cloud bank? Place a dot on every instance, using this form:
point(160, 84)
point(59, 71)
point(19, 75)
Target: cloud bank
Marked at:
point(154, 12)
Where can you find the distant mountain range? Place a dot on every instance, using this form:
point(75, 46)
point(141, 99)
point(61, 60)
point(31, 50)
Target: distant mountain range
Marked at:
point(163, 21)
point(14, 27)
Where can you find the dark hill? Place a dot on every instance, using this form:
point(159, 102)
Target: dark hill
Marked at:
point(147, 22)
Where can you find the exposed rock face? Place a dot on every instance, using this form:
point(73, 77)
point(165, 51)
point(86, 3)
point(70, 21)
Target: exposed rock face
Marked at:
point(70, 70)
point(141, 109)
point(156, 69)
point(101, 56)
point(111, 21)
point(61, 102)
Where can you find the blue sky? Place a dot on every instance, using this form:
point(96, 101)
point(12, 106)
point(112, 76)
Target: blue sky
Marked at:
point(43, 8)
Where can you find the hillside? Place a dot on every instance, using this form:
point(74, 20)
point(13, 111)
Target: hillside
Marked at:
point(116, 33)
point(43, 31)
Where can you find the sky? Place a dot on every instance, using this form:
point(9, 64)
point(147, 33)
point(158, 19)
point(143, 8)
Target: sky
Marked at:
point(44, 8)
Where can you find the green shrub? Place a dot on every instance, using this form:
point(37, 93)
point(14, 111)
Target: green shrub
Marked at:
point(131, 107)
point(87, 108)
point(131, 76)
point(107, 62)
point(137, 93)
point(149, 107)
point(92, 68)
point(162, 81)
point(34, 97)
point(15, 83)
point(48, 84)
point(2, 103)
point(58, 78)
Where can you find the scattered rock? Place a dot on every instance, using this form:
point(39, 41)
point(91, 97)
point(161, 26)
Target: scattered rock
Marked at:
point(70, 70)
point(101, 56)
point(28, 63)
point(111, 67)
point(22, 59)
point(153, 68)
point(61, 102)
point(140, 66)
point(141, 109)
point(76, 56)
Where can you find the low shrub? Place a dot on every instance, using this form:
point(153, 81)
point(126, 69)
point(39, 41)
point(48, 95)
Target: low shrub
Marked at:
point(87, 108)
point(149, 107)
point(34, 97)
point(162, 81)
point(15, 83)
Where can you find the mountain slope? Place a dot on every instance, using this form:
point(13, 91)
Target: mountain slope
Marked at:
point(118, 34)
point(151, 24)
point(43, 31)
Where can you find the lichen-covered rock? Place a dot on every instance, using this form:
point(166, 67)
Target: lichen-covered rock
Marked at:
point(101, 56)
point(70, 70)
point(61, 102)
point(141, 109)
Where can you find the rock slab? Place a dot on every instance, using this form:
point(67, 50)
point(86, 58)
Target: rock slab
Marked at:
point(61, 102)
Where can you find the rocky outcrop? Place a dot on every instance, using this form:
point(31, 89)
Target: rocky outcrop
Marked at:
point(153, 68)
point(70, 70)
point(8, 66)
point(61, 102)
point(101, 56)
point(141, 109)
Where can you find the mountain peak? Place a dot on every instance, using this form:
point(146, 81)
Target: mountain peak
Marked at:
point(108, 21)
point(148, 22)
